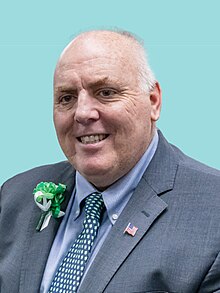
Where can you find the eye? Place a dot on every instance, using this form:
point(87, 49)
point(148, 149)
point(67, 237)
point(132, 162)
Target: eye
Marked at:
point(66, 99)
point(107, 93)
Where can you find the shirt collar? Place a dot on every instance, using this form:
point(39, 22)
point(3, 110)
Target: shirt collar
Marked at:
point(117, 195)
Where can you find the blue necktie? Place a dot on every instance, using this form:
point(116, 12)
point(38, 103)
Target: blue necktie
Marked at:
point(70, 271)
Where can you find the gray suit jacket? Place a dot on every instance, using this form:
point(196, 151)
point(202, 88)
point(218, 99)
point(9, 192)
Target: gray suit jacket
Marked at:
point(176, 208)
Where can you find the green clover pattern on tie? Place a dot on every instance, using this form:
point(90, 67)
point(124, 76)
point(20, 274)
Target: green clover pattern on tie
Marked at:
point(70, 271)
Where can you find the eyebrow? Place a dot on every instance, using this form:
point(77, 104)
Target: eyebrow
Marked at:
point(92, 84)
point(64, 89)
point(102, 81)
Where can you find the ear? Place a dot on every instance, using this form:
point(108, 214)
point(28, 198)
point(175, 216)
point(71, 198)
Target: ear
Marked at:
point(156, 101)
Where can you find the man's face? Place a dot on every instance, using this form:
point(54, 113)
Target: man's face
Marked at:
point(104, 122)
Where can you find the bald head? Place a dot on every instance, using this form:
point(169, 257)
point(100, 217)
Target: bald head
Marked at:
point(118, 45)
point(106, 104)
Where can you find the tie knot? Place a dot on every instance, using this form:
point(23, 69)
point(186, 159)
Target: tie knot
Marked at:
point(94, 205)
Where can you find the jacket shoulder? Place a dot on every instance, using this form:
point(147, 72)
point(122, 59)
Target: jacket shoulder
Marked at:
point(195, 174)
point(41, 173)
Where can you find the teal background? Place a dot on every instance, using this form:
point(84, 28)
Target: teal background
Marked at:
point(183, 42)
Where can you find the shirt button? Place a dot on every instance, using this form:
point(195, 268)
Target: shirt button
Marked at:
point(77, 213)
point(114, 217)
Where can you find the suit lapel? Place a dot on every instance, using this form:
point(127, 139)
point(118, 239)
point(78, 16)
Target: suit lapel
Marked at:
point(38, 244)
point(144, 207)
point(141, 212)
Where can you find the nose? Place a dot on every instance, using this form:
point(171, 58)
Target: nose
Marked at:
point(86, 108)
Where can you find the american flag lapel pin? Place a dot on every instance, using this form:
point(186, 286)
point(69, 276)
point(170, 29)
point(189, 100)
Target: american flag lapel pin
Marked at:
point(131, 229)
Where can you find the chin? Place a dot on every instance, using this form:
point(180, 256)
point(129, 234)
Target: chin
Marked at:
point(92, 170)
point(96, 174)
point(90, 166)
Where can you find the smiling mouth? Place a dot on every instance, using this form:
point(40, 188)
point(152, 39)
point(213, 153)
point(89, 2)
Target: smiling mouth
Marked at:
point(94, 138)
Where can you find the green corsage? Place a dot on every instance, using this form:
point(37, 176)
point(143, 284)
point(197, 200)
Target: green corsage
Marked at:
point(48, 197)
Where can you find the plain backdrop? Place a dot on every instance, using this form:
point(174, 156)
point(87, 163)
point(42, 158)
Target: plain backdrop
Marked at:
point(183, 42)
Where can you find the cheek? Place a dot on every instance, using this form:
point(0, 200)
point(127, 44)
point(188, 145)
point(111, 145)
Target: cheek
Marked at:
point(65, 137)
point(62, 123)
point(137, 118)
point(137, 108)
point(64, 134)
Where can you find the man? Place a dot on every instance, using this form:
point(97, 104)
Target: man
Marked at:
point(160, 224)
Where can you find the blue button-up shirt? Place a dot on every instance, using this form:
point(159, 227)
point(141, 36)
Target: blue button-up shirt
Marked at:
point(115, 198)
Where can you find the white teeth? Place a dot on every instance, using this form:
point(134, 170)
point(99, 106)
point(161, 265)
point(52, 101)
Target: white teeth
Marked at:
point(92, 138)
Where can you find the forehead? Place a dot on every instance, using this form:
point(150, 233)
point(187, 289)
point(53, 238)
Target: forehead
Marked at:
point(97, 59)
point(107, 73)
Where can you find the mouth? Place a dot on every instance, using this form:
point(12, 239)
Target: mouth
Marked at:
point(91, 139)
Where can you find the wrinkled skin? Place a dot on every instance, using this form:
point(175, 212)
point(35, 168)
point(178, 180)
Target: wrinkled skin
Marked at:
point(96, 91)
